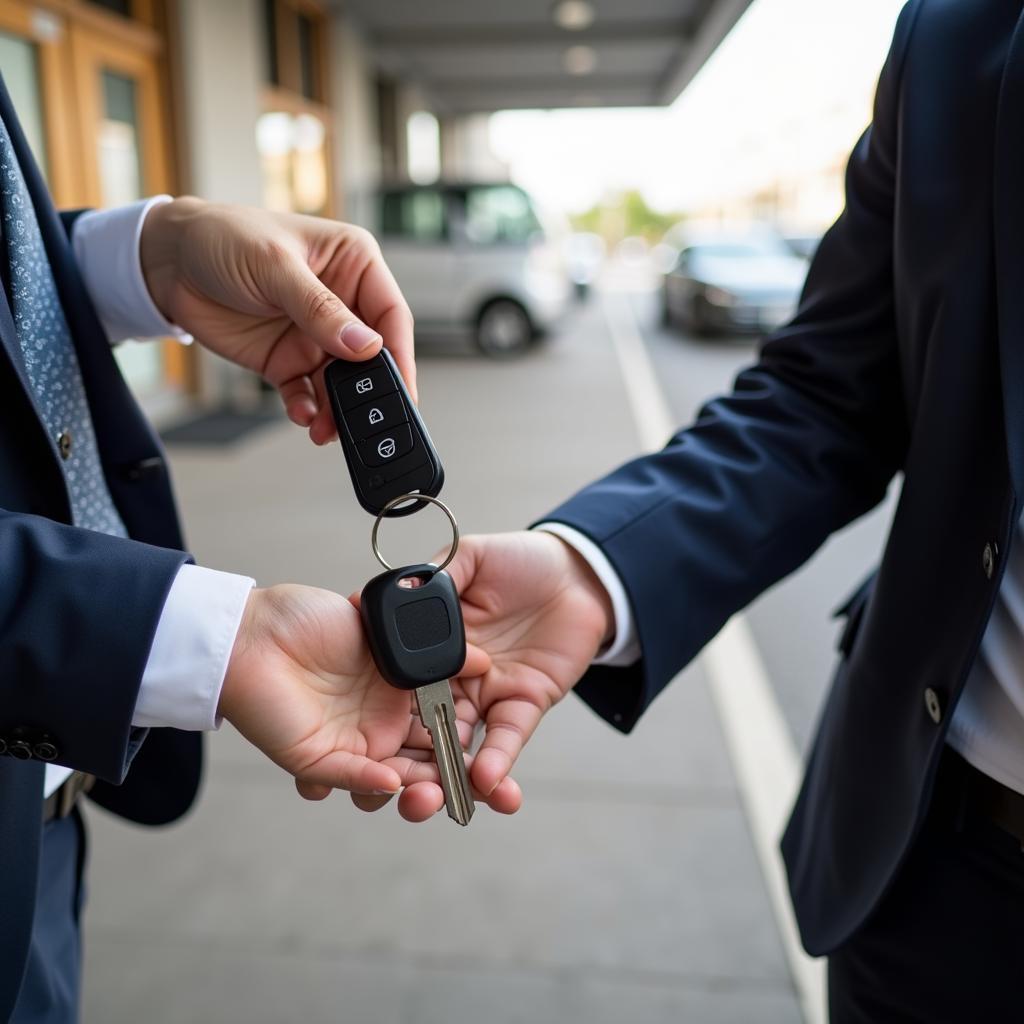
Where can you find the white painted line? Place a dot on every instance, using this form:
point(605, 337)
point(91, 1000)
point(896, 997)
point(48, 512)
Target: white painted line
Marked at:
point(761, 746)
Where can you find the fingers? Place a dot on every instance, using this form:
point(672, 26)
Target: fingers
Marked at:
point(319, 313)
point(380, 301)
point(313, 790)
point(300, 401)
point(420, 802)
point(509, 724)
point(371, 803)
point(342, 769)
point(506, 798)
point(322, 429)
point(478, 662)
point(423, 797)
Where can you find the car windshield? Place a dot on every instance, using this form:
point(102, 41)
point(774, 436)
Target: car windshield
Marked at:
point(499, 213)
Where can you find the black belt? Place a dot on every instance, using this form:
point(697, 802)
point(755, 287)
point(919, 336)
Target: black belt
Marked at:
point(61, 802)
point(968, 794)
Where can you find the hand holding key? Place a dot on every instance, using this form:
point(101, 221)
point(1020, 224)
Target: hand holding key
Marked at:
point(301, 685)
point(537, 609)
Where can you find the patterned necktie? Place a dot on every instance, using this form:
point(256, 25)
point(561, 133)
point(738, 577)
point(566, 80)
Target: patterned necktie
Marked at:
point(49, 353)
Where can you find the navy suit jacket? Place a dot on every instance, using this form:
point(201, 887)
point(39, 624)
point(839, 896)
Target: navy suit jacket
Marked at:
point(78, 610)
point(907, 354)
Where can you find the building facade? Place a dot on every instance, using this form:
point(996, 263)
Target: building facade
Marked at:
point(273, 103)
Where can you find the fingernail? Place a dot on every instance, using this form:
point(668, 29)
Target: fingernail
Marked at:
point(357, 337)
point(385, 792)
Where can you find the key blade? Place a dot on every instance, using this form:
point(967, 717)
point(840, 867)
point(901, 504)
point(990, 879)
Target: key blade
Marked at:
point(437, 713)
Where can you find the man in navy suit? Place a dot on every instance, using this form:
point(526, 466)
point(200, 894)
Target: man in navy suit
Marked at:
point(116, 651)
point(906, 356)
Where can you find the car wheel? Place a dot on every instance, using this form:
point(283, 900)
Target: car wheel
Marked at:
point(504, 329)
point(666, 311)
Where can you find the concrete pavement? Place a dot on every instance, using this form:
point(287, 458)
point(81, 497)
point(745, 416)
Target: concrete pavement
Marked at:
point(625, 888)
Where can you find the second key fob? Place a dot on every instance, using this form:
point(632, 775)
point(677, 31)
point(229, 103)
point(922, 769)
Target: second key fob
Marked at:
point(387, 447)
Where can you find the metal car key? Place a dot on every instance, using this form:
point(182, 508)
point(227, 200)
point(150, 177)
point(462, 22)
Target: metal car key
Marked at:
point(414, 627)
point(386, 446)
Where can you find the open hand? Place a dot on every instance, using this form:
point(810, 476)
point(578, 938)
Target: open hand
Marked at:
point(301, 686)
point(541, 615)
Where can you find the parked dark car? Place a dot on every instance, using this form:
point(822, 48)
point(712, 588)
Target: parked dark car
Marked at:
point(733, 285)
point(803, 245)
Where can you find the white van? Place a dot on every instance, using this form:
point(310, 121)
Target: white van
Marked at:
point(474, 256)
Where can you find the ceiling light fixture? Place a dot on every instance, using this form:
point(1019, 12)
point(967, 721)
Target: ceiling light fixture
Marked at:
point(573, 15)
point(579, 60)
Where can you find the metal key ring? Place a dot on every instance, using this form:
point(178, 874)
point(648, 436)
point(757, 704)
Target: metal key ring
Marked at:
point(418, 497)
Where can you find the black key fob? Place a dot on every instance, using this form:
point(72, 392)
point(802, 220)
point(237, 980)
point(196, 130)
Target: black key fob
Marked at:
point(387, 447)
point(414, 626)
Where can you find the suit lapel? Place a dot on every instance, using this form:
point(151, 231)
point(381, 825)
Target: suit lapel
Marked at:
point(1008, 212)
point(8, 335)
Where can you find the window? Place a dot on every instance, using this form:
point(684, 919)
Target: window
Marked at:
point(417, 215)
point(295, 33)
point(20, 61)
point(498, 214)
point(294, 133)
point(295, 167)
point(423, 145)
point(88, 78)
point(118, 141)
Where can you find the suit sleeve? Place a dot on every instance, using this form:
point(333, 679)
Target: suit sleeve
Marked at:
point(78, 612)
point(808, 440)
point(68, 218)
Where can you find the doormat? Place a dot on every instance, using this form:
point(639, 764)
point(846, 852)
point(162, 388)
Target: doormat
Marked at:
point(220, 428)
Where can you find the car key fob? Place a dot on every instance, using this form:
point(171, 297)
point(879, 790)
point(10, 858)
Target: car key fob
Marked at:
point(387, 448)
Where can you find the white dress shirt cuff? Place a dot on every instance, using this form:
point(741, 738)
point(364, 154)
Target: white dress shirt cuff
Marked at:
point(183, 677)
point(624, 648)
point(106, 246)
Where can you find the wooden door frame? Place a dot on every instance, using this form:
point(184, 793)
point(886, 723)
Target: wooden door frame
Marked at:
point(91, 54)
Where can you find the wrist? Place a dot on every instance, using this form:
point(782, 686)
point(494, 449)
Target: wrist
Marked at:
point(160, 248)
point(247, 638)
point(582, 576)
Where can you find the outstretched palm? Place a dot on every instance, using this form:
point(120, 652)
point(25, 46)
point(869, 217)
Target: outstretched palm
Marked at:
point(302, 686)
point(537, 610)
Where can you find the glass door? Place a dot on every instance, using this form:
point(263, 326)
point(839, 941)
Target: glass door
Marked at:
point(36, 71)
point(124, 141)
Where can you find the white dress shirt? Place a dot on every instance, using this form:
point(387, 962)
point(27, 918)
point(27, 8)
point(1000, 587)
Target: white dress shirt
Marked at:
point(184, 674)
point(988, 724)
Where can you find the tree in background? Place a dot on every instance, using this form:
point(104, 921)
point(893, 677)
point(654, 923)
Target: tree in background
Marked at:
point(622, 215)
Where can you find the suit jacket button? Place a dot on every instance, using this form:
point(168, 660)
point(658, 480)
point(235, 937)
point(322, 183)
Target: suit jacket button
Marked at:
point(988, 559)
point(933, 705)
point(64, 443)
point(21, 750)
point(45, 751)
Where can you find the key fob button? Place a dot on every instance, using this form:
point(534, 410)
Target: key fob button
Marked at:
point(365, 386)
point(386, 447)
point(385, 443)
point(376, 416)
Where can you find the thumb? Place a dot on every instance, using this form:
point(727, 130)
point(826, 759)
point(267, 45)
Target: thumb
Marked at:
point(320, 314)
